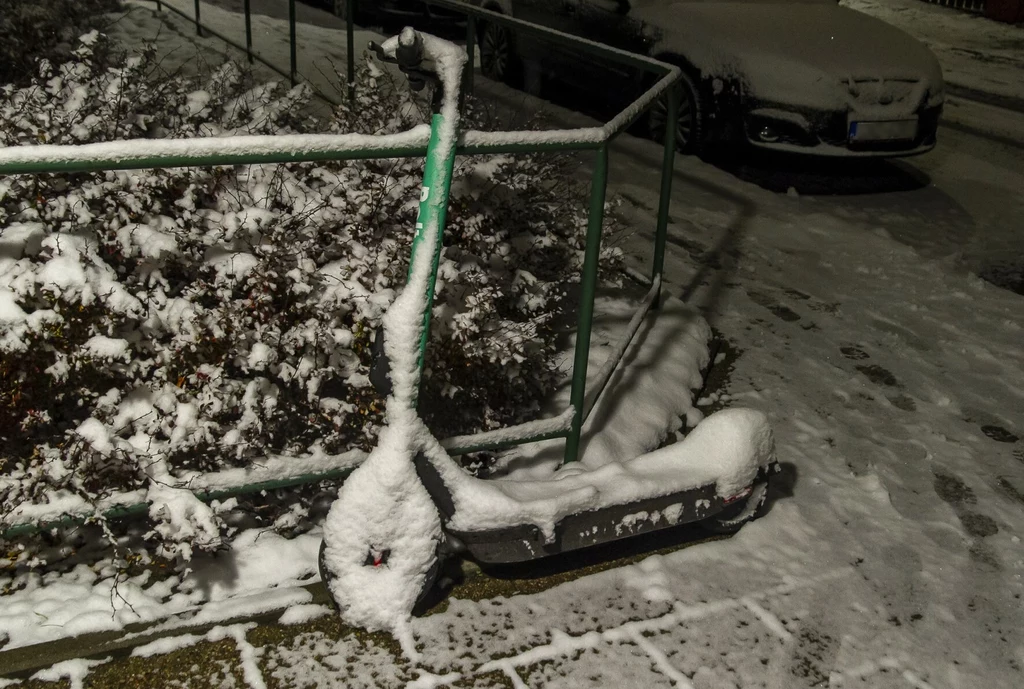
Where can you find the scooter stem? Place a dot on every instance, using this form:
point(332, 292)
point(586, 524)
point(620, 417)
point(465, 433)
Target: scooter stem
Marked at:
point(437, 177)
point(444, 66)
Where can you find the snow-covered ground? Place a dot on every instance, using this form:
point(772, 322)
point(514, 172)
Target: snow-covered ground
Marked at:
point(891, 555)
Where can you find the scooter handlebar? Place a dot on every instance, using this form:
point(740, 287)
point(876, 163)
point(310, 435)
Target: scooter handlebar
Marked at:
point(409, 52)
point(408, 55)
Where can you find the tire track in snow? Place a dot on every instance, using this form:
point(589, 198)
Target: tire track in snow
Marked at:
point(661, 661)
point(862, 672)
point(769, 620)
point(563, 645)
point(247, 653)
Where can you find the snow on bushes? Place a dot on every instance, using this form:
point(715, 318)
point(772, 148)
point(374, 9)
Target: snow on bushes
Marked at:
point(158, 321)
point(44, 29)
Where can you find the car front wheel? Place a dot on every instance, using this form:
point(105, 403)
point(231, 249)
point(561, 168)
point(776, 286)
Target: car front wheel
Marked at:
point(689, 124)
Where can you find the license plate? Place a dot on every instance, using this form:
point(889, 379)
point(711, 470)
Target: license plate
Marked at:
point(890, 130)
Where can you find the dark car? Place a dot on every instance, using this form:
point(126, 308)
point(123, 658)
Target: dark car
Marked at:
point(411, 11)
point(802, 76)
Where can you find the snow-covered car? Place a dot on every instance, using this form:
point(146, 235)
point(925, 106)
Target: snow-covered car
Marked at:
point(803, 76)
point(412, 11)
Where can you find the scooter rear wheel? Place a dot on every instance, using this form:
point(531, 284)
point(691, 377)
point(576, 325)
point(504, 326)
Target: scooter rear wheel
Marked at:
point(734, 516)
point(326, 576)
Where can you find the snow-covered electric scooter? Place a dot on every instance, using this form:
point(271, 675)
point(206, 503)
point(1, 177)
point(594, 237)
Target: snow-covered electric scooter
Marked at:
point(409, 504)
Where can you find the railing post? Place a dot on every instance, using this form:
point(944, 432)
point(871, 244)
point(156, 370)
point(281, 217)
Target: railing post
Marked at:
point(159, 6)
point(588, 289)
point(467, 76)
point(248, 32)
point(199, 27)
point(667, 169)
point(350, 13)
point(291, 38)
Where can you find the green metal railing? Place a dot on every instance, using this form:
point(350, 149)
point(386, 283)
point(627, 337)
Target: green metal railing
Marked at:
point(307, 148)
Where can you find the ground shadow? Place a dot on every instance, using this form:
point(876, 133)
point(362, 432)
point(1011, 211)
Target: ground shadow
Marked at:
point(783, 484)
point(565, 566)
point(813, 176)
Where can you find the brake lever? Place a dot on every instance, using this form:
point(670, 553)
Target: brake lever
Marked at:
point(381, 55)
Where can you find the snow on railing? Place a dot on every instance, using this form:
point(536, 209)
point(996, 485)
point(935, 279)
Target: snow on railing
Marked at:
point(554, 427)
point(220, 150)
point(258, 149)
point(604, 375)
point(270, 473)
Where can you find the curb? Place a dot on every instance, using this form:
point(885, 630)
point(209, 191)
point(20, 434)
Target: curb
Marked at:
point(22, 662)
point(985, 119)
point(996, 100)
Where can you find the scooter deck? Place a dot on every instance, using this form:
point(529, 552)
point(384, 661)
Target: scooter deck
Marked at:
point(525, 542)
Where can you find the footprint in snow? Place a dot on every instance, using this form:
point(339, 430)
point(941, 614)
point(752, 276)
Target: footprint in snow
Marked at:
point(813, 304)
point(984, 556)
point(904, 402)
point(999, 434)
point(1009, 490)
point(878, 375)
point(778, 310)
point(853, 353)
point(953, 491)
point(978, 525)
point(958, 495)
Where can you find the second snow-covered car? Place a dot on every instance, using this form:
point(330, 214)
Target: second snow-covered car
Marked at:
point(801, 76)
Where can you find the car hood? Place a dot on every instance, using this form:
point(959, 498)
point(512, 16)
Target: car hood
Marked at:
point(790, 50)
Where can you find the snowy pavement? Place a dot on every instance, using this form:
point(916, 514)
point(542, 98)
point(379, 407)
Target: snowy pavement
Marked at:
point(891, 555)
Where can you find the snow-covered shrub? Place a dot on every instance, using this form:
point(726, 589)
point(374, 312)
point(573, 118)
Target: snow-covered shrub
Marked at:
point(158, 321)
point(30, 31)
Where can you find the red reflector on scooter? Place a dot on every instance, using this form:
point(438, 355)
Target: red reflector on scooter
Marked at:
point(376, 558)
point(738, 496)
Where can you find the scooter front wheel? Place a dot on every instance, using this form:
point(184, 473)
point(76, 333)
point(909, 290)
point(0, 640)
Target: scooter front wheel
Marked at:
point(326, 576)
point(732, 518)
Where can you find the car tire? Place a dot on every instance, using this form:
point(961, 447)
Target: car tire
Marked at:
point(498, 60)
point(732, 518)
point(690, 120)
point(341, 10)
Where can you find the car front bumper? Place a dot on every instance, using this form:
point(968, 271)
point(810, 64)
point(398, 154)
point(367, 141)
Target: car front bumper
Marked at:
point(817, 133)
